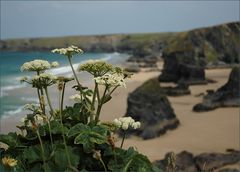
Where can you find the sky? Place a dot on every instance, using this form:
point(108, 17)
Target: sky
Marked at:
point(32, 19)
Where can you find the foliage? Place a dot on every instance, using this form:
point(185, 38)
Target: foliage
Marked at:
point(71, 138)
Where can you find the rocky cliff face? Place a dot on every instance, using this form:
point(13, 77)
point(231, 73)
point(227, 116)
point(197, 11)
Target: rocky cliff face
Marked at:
point(226, 96)
point(187, 53)
point(149, 105)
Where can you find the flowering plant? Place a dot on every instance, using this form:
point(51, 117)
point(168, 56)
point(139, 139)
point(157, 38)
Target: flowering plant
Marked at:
point(71, 138)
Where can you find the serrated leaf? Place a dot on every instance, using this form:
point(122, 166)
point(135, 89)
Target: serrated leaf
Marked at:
point(34, 153)
point(56, 128)
point(78, 129)
point(10, 139)
point(60, 158)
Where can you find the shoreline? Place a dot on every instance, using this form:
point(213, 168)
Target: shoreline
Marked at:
point(213, 131)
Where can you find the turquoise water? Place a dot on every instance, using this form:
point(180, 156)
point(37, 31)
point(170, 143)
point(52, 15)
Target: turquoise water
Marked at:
point(10, 63)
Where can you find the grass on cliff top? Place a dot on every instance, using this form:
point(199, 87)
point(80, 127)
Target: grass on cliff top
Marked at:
point(87, 40)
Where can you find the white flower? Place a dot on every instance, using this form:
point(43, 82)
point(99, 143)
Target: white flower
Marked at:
point(136, 125)
point(125, 126)
point(33, 107)
point(23, 79)
point(69, 51)
point(76, 98)
point(126, 122)
point(22, 120)
point(117, 123)
point(43, 80)
point(111, 80)
point(38, 119)
point(36, 65)
point(54, 64)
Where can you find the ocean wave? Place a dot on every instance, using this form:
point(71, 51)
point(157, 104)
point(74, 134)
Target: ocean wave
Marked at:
point(5, 89)
point(7, 114)
point(29, 99)
point(67, 69)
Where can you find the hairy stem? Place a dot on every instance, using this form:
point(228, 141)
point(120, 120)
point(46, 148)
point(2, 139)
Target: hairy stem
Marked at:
point(39, 97)
point(62, 129)
point(74, 73)
point(100, 105)
point(50, 133)
point(93, 100)
point(104, 166)
point(49, 101)
point(124, 135)
point(42, 150)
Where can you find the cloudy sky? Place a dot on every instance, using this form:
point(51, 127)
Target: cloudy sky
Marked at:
point(25, 19)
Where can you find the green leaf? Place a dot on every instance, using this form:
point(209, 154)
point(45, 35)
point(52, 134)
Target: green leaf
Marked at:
point(56, 127)
point(88, 139)
point(106, 99)
point(130, 161)
point(11, 139)
point(78, 129)
point(60, 158)
point(34, 153)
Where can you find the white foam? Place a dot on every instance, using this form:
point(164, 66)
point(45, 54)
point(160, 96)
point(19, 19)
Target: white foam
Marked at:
point(29, 99)
point(12, 87)
point(10, 113)
point(67, 69)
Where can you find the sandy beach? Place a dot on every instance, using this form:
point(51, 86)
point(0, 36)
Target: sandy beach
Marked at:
point(213, 131)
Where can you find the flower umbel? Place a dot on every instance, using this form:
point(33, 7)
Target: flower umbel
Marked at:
point(54, 64)
point(69, 51)
point(111, 80)
point(126, 122)
point(9, 162)
point(96, 67)
point(36, 65)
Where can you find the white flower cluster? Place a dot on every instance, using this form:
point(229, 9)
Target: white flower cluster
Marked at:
point(33, 107)
point(37, 118)
point(77, 98)
point(69, 51)
point(54, 64)
point(36, 65)
point(126, 122)
point(111, 80)
point(44, 76)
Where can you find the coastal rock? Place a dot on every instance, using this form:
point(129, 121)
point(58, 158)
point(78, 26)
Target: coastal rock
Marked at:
point(226, 96)
point(187, 53)
point(132, 67)
point(149, 105)
point(183, 162)
point(206, 162)
point(211, 161)
point(183, 67)
point(179, 90)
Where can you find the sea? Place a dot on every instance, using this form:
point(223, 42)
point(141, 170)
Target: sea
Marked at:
point(10, 74)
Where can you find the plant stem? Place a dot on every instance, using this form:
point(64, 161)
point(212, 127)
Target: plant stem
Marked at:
point(124, 135)
point(50, 133)
point(39, 97)
point(104, 166)
point(74, 73)
point(93, 100)
point(61, 120)
point(42, 149)
point(100, 105)
point(49, 101)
